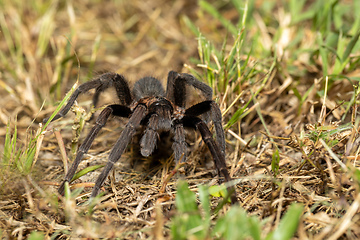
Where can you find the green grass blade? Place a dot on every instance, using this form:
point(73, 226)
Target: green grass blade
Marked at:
point(191, 26)
point(275, 162)
point(205, 203)
point(254, 228)
point(95, 50)
point(215, 13)
point(323, 54)
point(7, 146)
point(86, 171)
point(188, 221)
point(47, 27)
point(289, 223)
point(234, 225)
point(351, 46)
point(28, 158)
point(65, 99)
point(35, 235)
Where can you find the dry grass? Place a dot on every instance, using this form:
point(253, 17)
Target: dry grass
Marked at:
point(296, 138)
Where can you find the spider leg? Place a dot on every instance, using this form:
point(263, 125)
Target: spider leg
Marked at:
point(212, 108)
point(206, 106)
point(117, 110)
point(119, 83)
point(100, 84)
point(217, 121)
point(176, 92)
point(175, 89)
point(179, 145)
point(197, 123)
point(216, 115)
point(199, 108)
point(120, 145)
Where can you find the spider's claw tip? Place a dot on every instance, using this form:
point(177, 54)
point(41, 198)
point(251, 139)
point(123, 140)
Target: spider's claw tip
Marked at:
point(145, 152)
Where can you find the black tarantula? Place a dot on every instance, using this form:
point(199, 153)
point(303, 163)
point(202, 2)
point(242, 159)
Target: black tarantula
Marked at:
point(148, 104)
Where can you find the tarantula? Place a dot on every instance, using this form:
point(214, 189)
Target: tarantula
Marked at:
point(148, 104)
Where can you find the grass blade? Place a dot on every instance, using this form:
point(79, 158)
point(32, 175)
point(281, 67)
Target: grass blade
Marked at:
point(289, 223)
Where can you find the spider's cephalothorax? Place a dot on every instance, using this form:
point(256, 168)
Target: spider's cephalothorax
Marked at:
point(150, 105)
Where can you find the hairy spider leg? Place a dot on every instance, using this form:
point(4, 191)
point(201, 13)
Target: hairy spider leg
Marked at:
point(100, 84)
point(116, 110)
point(119, 83)
point(216, 117)
point(179, 145)
point(215, 112)
point(197, 123)
point(177, 95)
point(120, 145)
point(199, 108)
point(176, 92)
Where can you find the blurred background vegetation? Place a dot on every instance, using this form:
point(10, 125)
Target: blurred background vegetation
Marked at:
point(285, 74)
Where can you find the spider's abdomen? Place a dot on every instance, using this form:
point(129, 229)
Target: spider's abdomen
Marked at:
point(148, 87)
